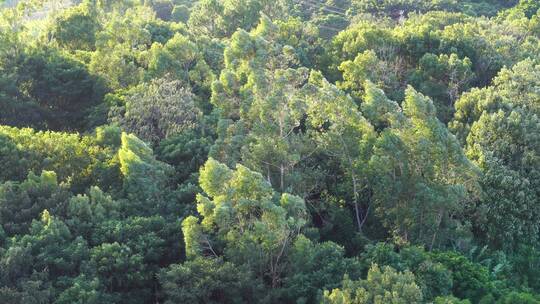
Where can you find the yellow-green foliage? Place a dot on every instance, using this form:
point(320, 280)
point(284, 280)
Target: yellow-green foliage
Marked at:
point(76, 159)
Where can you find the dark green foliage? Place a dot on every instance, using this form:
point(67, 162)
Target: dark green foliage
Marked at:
point(119, 268)
point(432, 277)
point(87, 291)
point(269, 151)
point(209, 281)
point(62, 87)
point(316, 267)
point(519, 298)
point(471, 281)
point(500, 127)
point(525, 262)
point(75, 29)
point(46, 88)
point(180, 13)
point(186, 151)
point(20, 203)
point(153, 238)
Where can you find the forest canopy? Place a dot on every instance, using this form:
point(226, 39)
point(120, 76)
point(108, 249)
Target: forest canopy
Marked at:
point(255, 151)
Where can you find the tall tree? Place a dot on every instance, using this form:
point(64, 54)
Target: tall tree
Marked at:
point(421, 178)
point(244, 220)
point(345, 135)
point(499, 126)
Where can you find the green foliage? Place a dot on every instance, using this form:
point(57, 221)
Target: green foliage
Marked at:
point(286, 151)
point(186, 151)
point(259, 99)
point(519, 298)
point(144, 178)
point(499, 125)
point(85, 212)
point(53, 247)
point(525, 262)
point(418, 152)
point(118, 267)
point(180, 58)
point(431, 276)
point(21, 203)
point(316, 267)
point(75, 28)
point(443, 78)
point(205, 280)
point(223, 18)
point(153, 238)
point(158, 110)
point(84, 290)
point(76, 160)
point(348, 136)
point(180, 13)
point(381, 286)
point(450, 300)
point(471, 281)
point(241, 208)
point(528, 7)
point(59, 89)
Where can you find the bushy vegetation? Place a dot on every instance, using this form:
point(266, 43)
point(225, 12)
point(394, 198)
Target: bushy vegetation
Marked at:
point(286, 151)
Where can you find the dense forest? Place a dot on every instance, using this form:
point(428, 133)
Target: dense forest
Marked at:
point(270, 151)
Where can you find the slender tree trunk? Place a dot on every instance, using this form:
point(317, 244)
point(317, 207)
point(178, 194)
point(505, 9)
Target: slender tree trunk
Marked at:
point(356, 208)
point(282, 176)
point(439, 220)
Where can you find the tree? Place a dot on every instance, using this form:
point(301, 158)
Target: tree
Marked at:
point(53, 248)
point(367, 66)
point(244, 220)
point(347, 136)
point(10, 157)
point(209, 280)
point(119, 44)
point(499, 127)
point(120, 269)
point(154, 238)
point(259, 95)
point(471, 280)
point(205, 17)
point(379, 109)
point(76, 28)
point(76, 159)
point(222, 18)
point(158, 110)
point(85, 290)
point(86, 212)
point(528, 7)
point(144, 178)
point(61, 86)
point(314, 267)
point(187, 152)
point(433, 278)
point(180, 13)
point(381, 286)
point(399, 8)
point(443, 78)
point(181, 58)
point(420, 176)
point(450, 300)
point(21, 203)
point(269, 151)
point(519, 298)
